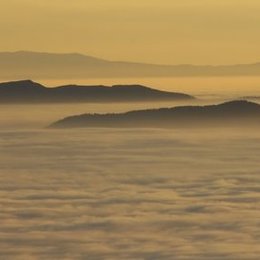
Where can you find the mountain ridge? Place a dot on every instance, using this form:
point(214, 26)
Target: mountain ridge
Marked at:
point(28, 91)
point(232, 113)
point(41, 65)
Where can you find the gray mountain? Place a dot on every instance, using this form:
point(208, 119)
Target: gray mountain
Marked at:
point(233, 113)
point(34, 65)
point(27, 91)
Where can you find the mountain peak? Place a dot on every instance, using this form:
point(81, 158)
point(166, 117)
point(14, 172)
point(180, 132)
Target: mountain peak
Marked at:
point(27, 83)
point(239, 105)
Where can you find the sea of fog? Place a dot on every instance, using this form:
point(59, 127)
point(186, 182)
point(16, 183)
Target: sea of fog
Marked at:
point(125, 193)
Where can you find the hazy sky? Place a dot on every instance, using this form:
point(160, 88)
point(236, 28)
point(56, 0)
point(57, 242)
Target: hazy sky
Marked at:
point(158, 31)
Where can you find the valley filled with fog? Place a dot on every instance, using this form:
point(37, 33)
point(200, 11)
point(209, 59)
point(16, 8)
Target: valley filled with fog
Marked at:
point(130, 130)
point(125, 193)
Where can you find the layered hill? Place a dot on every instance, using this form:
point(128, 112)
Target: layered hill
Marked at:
point(27, 91)
point(233, 113)
point(35, 65)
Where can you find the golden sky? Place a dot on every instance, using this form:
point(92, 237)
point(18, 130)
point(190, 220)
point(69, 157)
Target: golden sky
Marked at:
point(153, 31)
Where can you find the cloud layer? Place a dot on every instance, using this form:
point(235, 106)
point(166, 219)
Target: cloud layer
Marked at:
point(129, 194)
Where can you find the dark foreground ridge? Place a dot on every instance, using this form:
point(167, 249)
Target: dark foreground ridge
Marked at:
point(27, 91)
point(233, 113)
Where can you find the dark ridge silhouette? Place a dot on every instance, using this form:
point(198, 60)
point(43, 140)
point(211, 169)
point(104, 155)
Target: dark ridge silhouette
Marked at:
point(27, 91)
point(22, 64)
point(256, 98)
point(233, 113)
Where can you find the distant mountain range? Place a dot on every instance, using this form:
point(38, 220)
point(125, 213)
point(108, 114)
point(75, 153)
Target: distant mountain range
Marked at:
point(27, 91)
point(233, 113)
point(34, 65)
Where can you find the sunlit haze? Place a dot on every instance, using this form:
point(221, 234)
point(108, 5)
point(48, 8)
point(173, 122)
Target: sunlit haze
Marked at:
point(130, 129)
point(153, 31)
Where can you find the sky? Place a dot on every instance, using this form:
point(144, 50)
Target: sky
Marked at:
point(152, 31)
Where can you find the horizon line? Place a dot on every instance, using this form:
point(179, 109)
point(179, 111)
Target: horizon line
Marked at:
point(125, 61)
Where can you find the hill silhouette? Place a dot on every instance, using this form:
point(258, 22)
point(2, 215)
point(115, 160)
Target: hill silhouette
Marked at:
point(27, 91)
point(35, 65)
point(233, 113)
